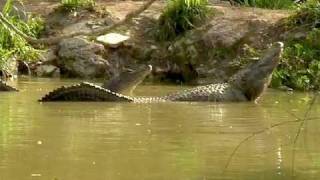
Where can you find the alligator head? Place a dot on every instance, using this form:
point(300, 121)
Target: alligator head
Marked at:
point(253, 79)
point(127, 80)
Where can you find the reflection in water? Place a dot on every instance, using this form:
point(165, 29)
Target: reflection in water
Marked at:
point(279, 162)
point(152, 141)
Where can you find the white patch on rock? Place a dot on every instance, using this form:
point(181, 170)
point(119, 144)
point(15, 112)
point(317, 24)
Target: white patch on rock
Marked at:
point(113, 40)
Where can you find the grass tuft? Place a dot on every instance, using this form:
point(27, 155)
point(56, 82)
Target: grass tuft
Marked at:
point(300, 66)
point(180, 16)
point(268, 4)
point(75, 4)
point(307, 14)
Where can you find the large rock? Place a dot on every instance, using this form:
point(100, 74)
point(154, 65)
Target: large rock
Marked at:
point(227, 33)
point(65, 22)
point(48, 56)
point(236, 26)
point(47, 71)
point(81, 58)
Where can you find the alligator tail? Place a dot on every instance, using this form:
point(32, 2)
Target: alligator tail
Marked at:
point(84, 92)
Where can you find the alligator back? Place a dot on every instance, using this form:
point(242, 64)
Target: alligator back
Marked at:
point(246, 85)
point(126, 81)
point(110, 91)
point(84, 92)
point(212, 92)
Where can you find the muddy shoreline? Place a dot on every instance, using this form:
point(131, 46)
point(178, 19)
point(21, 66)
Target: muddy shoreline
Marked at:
point(208, 54)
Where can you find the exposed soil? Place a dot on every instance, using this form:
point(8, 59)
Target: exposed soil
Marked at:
point(230, 25)
point(117, 8)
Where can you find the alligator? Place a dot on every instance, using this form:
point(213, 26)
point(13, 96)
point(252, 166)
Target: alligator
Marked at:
point(124, 82)
point(247, 84)
point(5, 87)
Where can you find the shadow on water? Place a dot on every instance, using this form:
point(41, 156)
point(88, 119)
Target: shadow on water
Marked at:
point(153, 141)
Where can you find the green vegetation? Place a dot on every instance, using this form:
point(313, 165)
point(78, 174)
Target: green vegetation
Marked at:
point(307, 15)
point(300, 67)
point(268, 4)
point(13, 45)
point(74, 4)
point(180, 16)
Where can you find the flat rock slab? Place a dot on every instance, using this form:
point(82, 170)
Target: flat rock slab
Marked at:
point(113, 40)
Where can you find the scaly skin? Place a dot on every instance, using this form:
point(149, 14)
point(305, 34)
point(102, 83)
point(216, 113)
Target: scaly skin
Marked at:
point(246, 85)
point(126, 81)
point(6, 87)
point(87, 92)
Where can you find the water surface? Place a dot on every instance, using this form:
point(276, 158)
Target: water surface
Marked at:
point(177, 141)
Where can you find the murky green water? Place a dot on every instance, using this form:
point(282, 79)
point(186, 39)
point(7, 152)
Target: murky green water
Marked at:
point(177, 141)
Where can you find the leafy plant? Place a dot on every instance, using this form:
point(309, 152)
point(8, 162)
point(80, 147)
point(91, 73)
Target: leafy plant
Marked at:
point(74, 4)
point(307, 14)
point(12, 44)
point(180, 16)
point(269, 4)
point(300, 66)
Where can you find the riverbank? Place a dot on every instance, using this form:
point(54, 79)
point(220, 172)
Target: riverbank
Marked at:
point(231, 38)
